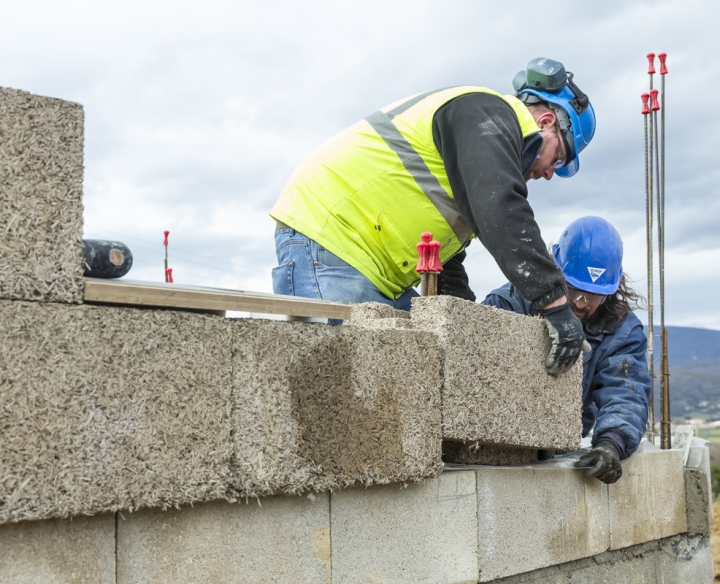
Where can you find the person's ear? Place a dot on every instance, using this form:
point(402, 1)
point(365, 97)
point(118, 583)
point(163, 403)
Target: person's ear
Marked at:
point(546, 120)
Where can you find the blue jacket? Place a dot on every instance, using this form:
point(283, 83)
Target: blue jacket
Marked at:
point(616, 383)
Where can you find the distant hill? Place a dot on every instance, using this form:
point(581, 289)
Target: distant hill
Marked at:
point(687, 344)
point(694, 358)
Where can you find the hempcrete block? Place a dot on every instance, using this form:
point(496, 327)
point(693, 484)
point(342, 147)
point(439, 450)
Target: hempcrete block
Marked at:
point(320, 407)
point(106, 408)
point(648, 502)
point(490, 454)
point(496, 389)
point(58, 551)
point(41, 173)
point(425, 534)
point(533, 517)
point(286, 539)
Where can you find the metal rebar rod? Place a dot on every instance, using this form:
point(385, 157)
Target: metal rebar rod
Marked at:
point(665, 382)
point(650, 271)
point(648, 208)
point(665, 442)
point(423, 283)
point(432, 284)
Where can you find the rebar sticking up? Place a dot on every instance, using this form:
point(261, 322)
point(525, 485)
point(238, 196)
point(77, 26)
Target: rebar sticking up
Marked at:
point(165, 243)
point(648, 217)
point(428, 265)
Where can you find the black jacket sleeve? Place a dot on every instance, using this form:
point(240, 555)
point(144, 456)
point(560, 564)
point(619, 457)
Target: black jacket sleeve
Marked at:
point(453, 280)
point(479, 138)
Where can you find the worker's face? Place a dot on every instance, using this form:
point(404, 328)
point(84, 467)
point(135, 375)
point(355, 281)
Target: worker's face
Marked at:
point(584, 304)
point(583, 311)
point(552, 152)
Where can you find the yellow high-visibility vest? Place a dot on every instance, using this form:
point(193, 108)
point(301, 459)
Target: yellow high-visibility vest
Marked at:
point(368, 193)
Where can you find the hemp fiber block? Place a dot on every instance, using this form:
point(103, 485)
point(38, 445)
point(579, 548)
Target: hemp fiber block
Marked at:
point(41, 173)
point(105, 408)
point(320, 407)
point(496, 389)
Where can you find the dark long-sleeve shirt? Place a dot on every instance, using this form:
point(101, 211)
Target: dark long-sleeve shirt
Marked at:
point(479, 138)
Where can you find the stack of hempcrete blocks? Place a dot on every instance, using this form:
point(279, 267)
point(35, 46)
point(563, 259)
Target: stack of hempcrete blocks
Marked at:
point(110, 408)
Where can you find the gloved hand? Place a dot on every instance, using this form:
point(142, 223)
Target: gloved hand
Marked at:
point(453, 280)
point(603, 460)
point(568, 338)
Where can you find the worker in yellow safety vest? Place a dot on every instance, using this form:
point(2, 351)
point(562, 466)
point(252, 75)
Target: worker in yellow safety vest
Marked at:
point(453, 162)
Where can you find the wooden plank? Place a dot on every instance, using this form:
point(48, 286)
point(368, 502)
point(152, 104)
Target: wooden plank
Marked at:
point(136, 293)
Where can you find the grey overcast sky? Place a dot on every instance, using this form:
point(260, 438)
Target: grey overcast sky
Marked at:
point(196, 113)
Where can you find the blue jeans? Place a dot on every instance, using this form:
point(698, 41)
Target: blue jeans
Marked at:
point(307, 269)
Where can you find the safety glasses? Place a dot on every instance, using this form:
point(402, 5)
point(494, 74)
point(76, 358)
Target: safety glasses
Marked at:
point(561, 153)
point(587, 297)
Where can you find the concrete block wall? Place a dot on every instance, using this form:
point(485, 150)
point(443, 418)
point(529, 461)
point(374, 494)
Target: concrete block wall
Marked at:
point(41, 173)
point(534, 524)
point(107, 408)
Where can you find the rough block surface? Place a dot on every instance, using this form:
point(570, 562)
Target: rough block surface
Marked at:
point(285, 539)
point(58, 551)
point(418, 533)
point(107, 408)
point(490, 454)
point(648, 502)
point(496, 389)
point(533, 517)
point(41, 173)
point(321, 407)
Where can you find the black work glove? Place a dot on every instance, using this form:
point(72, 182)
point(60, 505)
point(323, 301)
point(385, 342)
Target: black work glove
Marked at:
point(603, 460)
point(453, 280)
point(568, 338)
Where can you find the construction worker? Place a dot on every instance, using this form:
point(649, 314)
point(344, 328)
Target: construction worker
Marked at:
point(453, 162)
point(616, 383)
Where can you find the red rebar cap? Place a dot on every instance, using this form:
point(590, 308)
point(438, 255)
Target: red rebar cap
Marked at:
point(655, 105)
point(646, 103)
point(435, 265)
point(651, 63)
point(168, 276)
point(166, 233)
point(663, 68)
point(423, 248)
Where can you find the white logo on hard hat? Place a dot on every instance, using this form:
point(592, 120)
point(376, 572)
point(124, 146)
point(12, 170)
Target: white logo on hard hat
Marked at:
point(595, 273)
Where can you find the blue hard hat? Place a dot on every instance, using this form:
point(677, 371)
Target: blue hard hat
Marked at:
point(590, 255)
point(547, 81)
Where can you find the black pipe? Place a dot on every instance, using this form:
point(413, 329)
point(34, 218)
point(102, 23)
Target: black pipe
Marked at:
point(106, 259)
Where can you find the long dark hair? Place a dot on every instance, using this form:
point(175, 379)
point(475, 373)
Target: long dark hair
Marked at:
point(623, 301)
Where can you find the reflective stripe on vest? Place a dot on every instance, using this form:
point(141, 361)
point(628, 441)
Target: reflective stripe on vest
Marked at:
point(417, 168)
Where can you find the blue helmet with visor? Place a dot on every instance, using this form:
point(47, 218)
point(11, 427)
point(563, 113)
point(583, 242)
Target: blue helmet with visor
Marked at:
point(545, 80)
point(590, 254)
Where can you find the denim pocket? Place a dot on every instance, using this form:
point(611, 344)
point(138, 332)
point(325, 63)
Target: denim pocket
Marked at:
point(282, 279)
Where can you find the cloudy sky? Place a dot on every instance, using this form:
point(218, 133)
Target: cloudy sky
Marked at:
point(196, 113)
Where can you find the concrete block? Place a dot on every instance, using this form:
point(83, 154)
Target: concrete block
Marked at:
point(320, 407)
point(496, 389)
point(699, 459)
point(533, 517)
point(106, 408)
point(685, 560)
point(698, 501)
point(285, 539)
point(41, 173)
point(648, 502)
point(419, 533)
point(58, 551)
